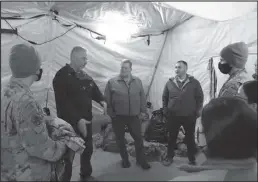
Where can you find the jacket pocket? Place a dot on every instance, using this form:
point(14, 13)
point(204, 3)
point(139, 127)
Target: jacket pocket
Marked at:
point(172, 103)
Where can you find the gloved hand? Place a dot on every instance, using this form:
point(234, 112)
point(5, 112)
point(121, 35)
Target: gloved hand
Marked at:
point(47, 111)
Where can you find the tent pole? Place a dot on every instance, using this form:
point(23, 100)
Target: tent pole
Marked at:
point(156, 67)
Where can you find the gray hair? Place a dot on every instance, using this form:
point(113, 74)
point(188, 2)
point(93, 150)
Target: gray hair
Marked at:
point(75, 50)
point(127, 61)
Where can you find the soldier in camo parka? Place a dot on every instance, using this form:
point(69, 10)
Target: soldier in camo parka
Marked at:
point(27, 151)
point(233, 61)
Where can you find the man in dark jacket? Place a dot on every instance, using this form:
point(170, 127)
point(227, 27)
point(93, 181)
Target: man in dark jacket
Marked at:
point(126, 101)
point(182, 104)
point(74, 92)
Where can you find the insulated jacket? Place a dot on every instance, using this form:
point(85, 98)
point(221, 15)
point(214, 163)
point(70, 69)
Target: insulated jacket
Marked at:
point(74, 93)
point(123, 100)
point(231, 86)
point(27, 150)
point(185, 101)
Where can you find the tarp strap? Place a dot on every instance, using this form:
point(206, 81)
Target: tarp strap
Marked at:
point(213, 78)
point(21, 18)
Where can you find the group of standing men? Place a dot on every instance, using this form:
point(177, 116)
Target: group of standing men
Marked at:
point(124, 101)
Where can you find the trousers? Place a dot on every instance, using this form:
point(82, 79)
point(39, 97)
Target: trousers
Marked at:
point(173, 126)
point(134, 128)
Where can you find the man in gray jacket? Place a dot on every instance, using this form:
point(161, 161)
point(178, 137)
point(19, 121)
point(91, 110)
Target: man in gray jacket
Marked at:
point(182, 104)
point(126, 100)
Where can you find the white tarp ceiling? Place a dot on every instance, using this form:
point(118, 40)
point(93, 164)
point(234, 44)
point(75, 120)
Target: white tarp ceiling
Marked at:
point(219, 11)
point(191, 38)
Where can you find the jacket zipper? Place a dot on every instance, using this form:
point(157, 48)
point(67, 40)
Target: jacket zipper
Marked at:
point(129, 99)
point(128, 91)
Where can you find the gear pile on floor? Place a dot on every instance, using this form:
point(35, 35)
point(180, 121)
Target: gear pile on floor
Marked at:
point(154, 151)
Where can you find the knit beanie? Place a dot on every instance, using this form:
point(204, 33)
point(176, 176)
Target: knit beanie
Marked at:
point(24, 61)
point(235, 54)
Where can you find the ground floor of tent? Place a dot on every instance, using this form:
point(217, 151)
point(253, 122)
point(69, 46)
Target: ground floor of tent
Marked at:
point(107, 167)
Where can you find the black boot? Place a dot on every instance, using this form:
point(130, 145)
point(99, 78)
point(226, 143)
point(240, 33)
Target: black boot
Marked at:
point(144, 165)
point(167, 161)
point(126, 164)
point(192, 163)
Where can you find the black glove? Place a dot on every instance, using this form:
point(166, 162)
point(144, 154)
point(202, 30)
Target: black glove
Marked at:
point(47, 111)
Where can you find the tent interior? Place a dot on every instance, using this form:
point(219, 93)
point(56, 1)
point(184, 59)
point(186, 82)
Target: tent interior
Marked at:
point(153, 35)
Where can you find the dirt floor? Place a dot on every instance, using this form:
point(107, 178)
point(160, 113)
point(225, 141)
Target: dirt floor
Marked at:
point(106, 166)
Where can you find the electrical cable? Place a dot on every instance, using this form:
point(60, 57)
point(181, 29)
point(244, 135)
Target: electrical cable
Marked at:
point(29, 22)
point(34, 43)
point(100, 36)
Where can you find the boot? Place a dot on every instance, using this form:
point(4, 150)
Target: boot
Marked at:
point(126, 164)
point(144, 165)
point(167, 161)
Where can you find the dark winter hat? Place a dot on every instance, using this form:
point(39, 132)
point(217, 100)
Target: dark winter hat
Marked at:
point(235, 54)
point(24, 61)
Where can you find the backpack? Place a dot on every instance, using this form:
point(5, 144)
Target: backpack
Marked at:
point(156, 131)
point(109, 139)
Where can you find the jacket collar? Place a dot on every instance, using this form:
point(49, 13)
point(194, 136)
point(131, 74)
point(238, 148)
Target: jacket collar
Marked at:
point(189, 78)
point(81, 74)
point(70, 69)
point(238, 72)
point(119, 78)
point(17, 82)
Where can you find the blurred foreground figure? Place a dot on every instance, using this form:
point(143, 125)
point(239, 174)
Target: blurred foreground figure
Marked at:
point(230, 129)
point(126, 102)
point(248, 92)
point(32, 144)
point(74, 91)
point(232, 62)
point(182, 103)
point(255, 74)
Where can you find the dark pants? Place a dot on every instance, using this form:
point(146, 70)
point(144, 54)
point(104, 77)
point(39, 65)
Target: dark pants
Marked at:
point(174, 124)
point(85, 158)
point(68, 158)
point(134, 127)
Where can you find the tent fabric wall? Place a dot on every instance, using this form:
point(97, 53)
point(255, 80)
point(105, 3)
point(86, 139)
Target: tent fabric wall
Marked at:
point(104, 59)
point(196, 41)
point(149, 17)
point(219, 11)
point(38, 31)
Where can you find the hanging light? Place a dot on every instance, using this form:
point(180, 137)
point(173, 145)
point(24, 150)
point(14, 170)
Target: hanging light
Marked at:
point(118, 27)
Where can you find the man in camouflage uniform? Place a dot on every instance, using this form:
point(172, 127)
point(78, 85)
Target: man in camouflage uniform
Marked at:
point(27, 151)
point(233, 60)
